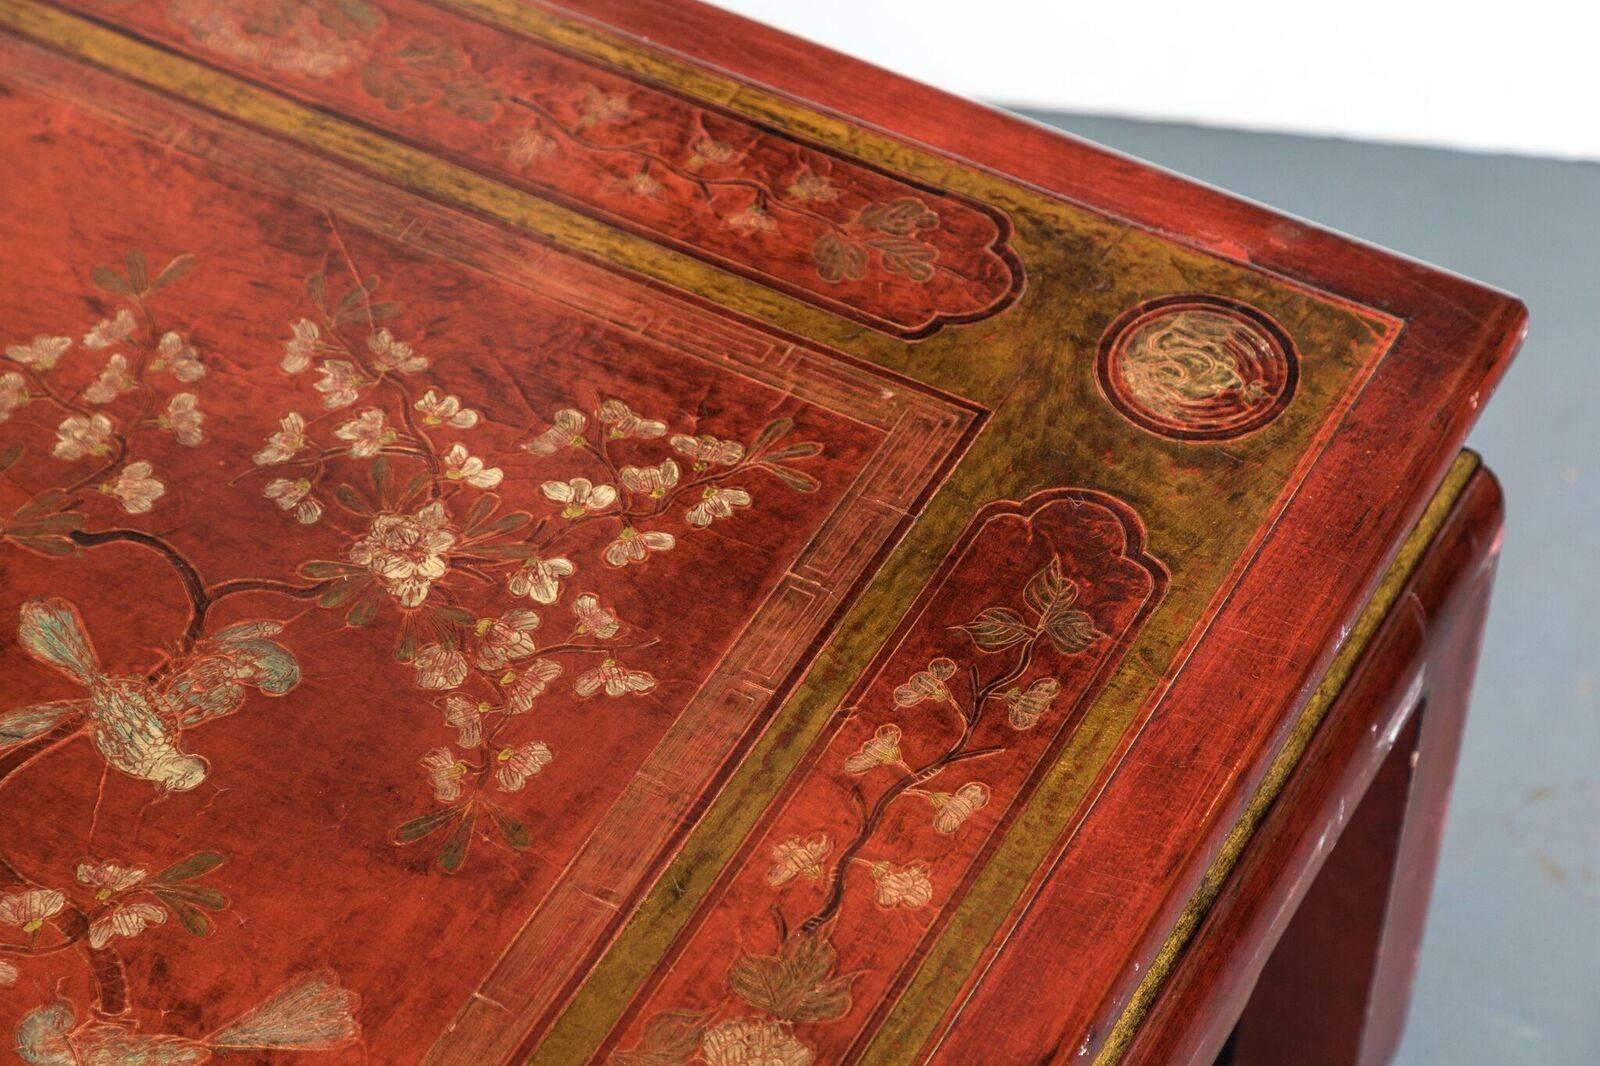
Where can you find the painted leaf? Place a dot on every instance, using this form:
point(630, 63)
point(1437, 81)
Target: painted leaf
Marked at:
point(513, 832)
point(200, 895)
point(794, 479)
point(187, 869)
point(454, 852)
point(669, 1039)
point(428, 70)
point(900, 216)
point(138, 271)
point(1072, 631)
point(797, 984)
point(905, 256)
point(997, 628)
point(349, 18)
point(839, 260)
point(175, 269)
point(194, 920)
point(1049, 590)
point(425, 825)
point(110, 280)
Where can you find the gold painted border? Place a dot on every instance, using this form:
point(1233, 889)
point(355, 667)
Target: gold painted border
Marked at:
point(463, 188)
point(1288, 758)
point(392, 161)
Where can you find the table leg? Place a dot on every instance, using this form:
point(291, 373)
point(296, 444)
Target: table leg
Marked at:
point(1312, 942)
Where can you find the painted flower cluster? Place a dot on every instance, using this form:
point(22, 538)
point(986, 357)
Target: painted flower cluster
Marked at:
point(937, 723)
point(495, 593)
point(491, 604)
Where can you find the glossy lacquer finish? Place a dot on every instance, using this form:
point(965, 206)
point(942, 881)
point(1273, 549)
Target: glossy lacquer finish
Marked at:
point(606, 532)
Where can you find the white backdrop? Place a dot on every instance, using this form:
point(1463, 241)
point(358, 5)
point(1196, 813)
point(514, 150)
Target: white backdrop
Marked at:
point(1519, 77)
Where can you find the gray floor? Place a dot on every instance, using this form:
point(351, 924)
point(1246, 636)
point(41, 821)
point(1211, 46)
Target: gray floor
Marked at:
point(1510, 970)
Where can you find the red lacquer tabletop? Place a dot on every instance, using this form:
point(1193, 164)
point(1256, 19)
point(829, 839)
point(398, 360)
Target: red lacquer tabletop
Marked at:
point(607, 532)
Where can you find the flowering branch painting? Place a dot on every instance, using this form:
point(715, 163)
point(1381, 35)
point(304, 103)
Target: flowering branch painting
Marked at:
point(903, 257)
point(488, 605)
point(378, 588)
point(986, 673)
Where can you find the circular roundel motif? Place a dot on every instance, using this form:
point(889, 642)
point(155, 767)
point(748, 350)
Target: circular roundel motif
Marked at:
point(1195, 367)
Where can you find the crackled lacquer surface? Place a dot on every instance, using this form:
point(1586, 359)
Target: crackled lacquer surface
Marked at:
point(356, 604)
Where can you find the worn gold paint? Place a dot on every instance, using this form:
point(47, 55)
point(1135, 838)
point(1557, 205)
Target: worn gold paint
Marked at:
point(1361, 634)
point(1033, 365)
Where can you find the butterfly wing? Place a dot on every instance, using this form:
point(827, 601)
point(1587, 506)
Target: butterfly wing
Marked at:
point(52, 632)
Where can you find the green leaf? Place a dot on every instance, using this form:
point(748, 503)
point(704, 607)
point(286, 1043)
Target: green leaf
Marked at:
point(516, 834)
point(426, 825)
point(10, 454)
point(996, 628)
point(45, 545)
point(202, 895)
point(195, 921)
point(509, 523)
point(138, 272)
point(352, 500)
point(498, 551)
point(326, 568)
point(906, 256)
point(62, 522)
point(385, 310)
point(454, 852)
point(317, 288)
point(173, 271)
point(42, 503)
point(472, 96)
point(796, 451)
point(350, 316)
point(454, 615)
point(415, 487)
point(479, 512)
point(771, 432)
point(110, 280)
point(795, 479)
point(338, 593)
point(381, 476)
point(349, 18)
point(197, 865)
point(365, 610)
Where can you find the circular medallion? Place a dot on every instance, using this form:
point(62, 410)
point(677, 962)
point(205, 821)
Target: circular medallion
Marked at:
point(1194, 367)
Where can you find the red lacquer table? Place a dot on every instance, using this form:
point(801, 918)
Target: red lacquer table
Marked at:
point(604, 532)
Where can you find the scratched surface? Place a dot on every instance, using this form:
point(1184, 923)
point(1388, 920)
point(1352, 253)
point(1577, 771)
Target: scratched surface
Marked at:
point(1510, 957)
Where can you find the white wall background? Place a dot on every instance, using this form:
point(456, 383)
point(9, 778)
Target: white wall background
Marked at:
point(1520, 77)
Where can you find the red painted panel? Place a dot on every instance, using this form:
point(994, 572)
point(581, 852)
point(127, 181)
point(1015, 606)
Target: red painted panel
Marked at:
point(988, 673)
point(899, 256)
point(306, 532)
